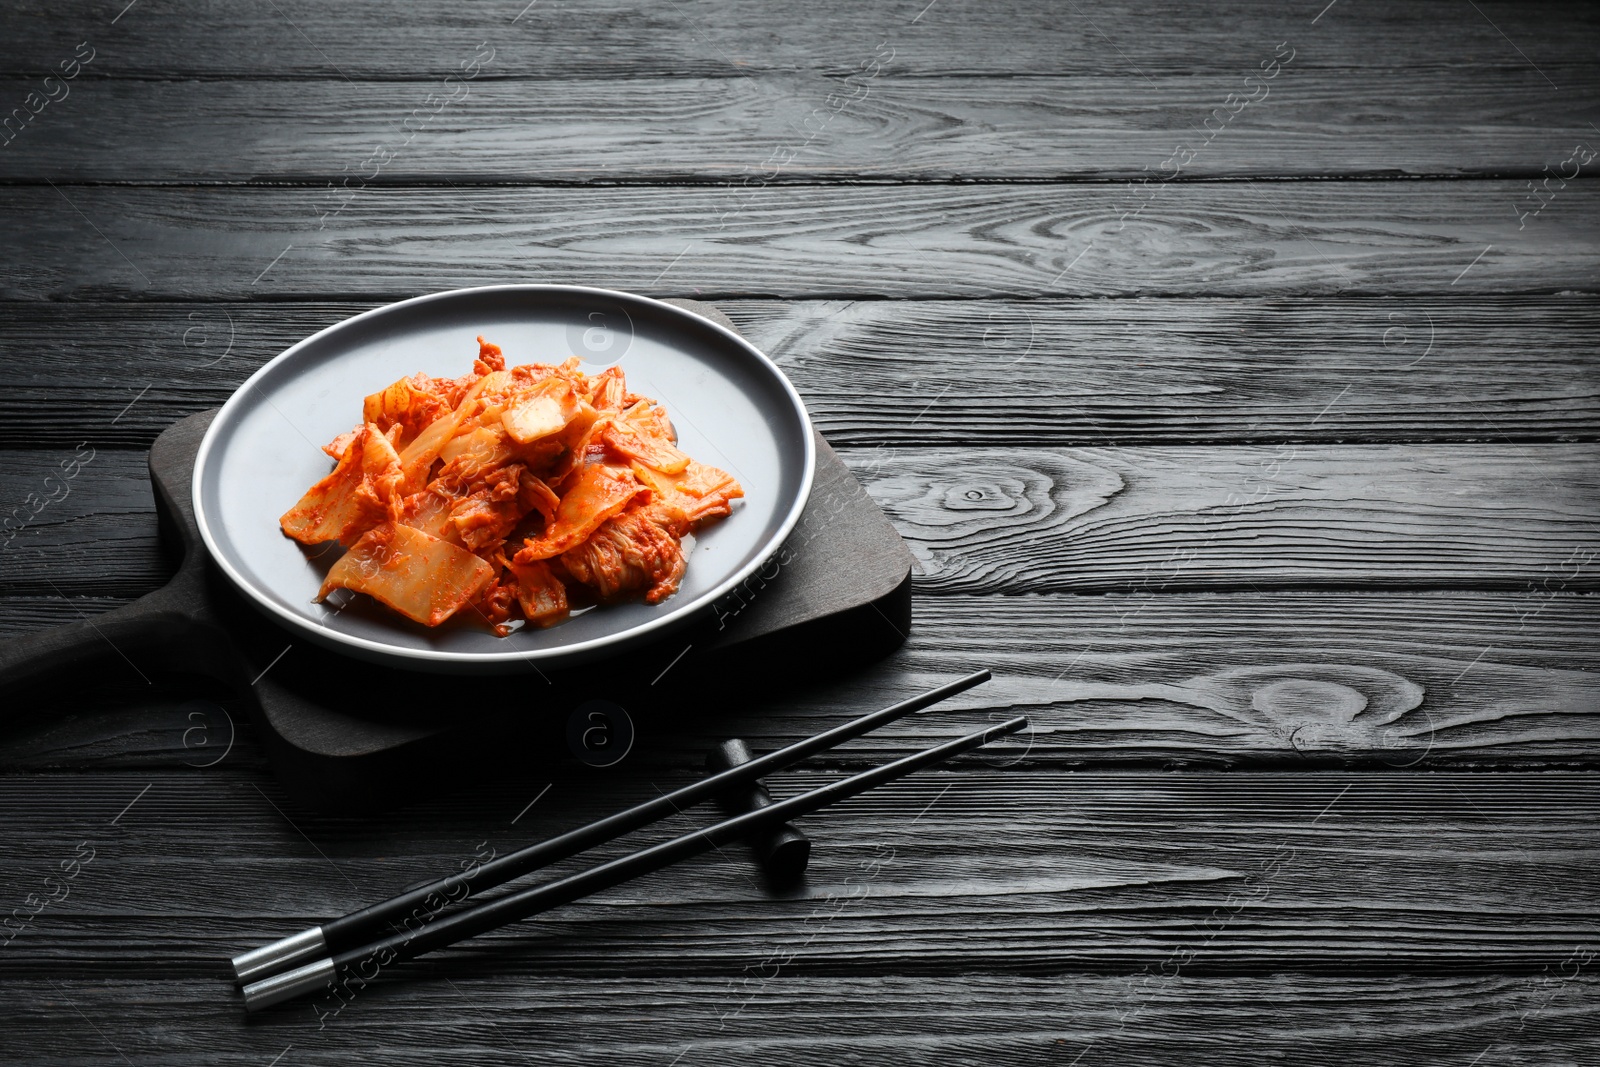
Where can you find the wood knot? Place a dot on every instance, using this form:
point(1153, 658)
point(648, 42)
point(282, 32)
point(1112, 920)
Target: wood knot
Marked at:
point(1342, 708)
point(1318, 707)
point(1308, 699)
point(965, 516)
point(971, 496)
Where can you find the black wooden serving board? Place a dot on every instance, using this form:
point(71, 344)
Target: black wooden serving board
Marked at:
point(349, 735)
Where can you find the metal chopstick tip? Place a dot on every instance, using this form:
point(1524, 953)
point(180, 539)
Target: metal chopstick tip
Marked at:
point(280, 955)
point(287, 985)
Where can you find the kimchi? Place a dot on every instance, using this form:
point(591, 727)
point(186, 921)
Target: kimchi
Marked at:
point(510, 494)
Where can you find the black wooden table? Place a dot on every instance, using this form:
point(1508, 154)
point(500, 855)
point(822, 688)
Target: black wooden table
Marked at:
point(1229, 369)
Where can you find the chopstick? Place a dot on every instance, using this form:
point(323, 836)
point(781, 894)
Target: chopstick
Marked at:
point(359, 927)
point(363, 963)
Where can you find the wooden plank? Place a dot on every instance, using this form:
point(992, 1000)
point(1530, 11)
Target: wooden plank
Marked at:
point(1397, 681)
point(1018, 373)
point(1148, 519)
point(757, 130)
point(1054, 873)
point(772, 1016)
point(300, 38)
point(1050, 520)
point(1227, 239)
point(25, 614)
point(1155, 371)
point(106, 509)
point(1223, 680)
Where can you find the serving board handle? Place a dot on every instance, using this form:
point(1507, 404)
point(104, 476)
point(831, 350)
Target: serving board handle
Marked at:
point(154, 631)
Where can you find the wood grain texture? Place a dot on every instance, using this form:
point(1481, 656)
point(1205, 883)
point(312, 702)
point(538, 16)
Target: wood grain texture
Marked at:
point(1086, 520)
point(198, 38)
point(1298, 677)
point(1206, 370)
point(1380, 680)
point(109, 508)
point(1053, 520)
point(1233, 238)
point(1311, 872)
point(786, 127)
point(1017, 372)
point(24, 614)
point(796, 1019)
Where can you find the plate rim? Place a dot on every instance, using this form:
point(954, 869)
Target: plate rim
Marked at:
point(446, 660)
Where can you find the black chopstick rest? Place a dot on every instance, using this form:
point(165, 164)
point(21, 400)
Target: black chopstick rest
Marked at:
point(782, 851)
